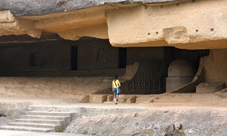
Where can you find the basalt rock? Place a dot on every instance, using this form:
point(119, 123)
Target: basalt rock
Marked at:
point(42, 7)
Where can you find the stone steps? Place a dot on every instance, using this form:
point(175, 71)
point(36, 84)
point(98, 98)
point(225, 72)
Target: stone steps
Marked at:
point(40, 121)
point(123, 98)
point(44, 117)
point(166, 98)
point(24, 128)
point(112, 102)
point(38, 125)
point(49, 113)
point(120, 100)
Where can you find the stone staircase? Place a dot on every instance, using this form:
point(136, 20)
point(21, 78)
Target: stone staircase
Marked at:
point(40, 121)
point(123, 98)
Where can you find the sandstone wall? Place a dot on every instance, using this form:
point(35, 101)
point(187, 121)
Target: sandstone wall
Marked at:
point(215, 66)
point(186, 25)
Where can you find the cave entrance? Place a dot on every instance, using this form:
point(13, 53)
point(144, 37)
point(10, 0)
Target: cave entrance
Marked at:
point(122, 57)
point(74, 57)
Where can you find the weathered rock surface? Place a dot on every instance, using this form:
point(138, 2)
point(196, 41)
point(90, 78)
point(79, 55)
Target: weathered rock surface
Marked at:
point(13, 109)
point(185, 24)
point(156, 122)
point(207, 87)
point(41, 7)
point(137, 119)
point(5, 121)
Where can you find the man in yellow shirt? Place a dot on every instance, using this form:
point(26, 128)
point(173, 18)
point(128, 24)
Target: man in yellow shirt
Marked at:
point(116, 88)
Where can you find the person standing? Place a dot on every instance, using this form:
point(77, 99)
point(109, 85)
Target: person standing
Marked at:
point(116, 88)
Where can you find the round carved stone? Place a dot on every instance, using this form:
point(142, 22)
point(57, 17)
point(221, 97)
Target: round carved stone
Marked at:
point(181, 68)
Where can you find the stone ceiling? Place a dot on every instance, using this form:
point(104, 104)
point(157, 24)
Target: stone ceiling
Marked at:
point(186, 24)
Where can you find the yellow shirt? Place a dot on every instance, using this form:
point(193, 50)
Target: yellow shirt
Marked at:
point(116, 83)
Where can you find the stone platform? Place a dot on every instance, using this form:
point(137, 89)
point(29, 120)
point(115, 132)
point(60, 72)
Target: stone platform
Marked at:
point(182, 104)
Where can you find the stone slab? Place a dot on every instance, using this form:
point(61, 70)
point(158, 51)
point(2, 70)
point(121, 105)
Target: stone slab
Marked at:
point(207, 87)
point(25, 133)
point(97, 98)
point(27, 128)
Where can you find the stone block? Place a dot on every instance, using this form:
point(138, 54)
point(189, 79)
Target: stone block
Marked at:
point(131, 99)
point(173, 83)
point(97, 98)
point(210, 87)
point(141, 99)
point(110, 98)
point(6, 16)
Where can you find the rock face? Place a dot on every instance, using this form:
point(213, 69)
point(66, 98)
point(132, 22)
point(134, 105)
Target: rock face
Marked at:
point(206, 87)
point(126, 23)
point(159, 122)
point(40, 7)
